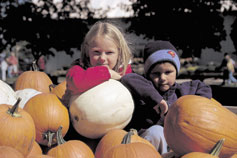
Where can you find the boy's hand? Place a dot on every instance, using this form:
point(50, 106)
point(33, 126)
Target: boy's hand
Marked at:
point(161, 108)
point(114, 75)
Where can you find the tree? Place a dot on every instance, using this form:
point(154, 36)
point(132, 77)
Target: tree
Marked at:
point(46, 25)
point(189, 25)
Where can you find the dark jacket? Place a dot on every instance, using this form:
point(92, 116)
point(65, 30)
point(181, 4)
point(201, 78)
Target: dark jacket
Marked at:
point(146, 96)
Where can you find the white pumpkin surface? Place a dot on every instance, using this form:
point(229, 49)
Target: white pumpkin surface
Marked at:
point(101, 108)
point(7, 94)
point(25, 95)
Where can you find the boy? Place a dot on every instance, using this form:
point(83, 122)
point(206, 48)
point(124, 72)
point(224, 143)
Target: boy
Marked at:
point(158, 90)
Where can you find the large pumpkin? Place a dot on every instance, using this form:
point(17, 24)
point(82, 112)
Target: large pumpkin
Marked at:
point(17, 128)
point(37, 80)
point(48, 114)
point(195, 123)
point(101, 108)
point(7, 94)
point(115, 137)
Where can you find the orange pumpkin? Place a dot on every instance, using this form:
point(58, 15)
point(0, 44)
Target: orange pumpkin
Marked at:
point(195, 123)
point(115, 137)
point(36, 150)
point(213, 154)
point(48, 114)
point(70, 149)
point(60, 89)
point(35, 79)
point(17, 128)
point(131, 150)
point(9, 152)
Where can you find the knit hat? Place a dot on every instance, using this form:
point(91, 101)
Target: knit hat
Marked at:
point(159, 51)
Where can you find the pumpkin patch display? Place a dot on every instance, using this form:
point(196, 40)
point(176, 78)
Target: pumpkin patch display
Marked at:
point(17, 128)
point(194, 123)
point(35, 79)
point(7, 94)
point(102, 108)
point(115, 137)
point(70, 149)
point(48, 114)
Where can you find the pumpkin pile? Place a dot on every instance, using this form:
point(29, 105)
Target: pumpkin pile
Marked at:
point(34, 122)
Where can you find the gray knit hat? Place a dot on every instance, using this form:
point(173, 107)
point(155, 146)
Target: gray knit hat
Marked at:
point(159, 51)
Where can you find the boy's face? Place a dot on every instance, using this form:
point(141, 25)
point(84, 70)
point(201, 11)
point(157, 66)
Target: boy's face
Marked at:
point(163, 76)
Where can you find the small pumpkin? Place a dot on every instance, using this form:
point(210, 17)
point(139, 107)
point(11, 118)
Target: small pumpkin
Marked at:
point(48, 114)
point(35, 79)
point(115, 137)
point(7, 94)
point(59, 89)
point(213, 154)
point(131, 150)
point(194, 123)
point(104, 107)
point(9, 152)
point(17, 128)
point(25, 95)
point(70, 149)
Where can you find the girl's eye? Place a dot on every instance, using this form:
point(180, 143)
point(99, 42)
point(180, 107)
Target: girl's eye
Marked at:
point(108, 53)
point(96, 52)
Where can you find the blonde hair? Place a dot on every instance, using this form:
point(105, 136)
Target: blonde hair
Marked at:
point(110, 31)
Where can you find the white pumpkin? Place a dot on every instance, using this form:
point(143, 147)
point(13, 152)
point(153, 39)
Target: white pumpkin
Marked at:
point(7, 94)
point(101, 108)
point(25, 95)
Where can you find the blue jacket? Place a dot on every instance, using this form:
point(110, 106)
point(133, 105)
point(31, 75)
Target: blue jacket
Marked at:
point(146, 96)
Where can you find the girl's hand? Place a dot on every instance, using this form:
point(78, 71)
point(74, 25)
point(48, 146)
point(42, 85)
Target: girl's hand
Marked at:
point(114, 75)
point(161, 108)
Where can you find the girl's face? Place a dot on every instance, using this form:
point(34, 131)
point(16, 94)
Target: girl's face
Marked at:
point(103, 52)
point(163, 76)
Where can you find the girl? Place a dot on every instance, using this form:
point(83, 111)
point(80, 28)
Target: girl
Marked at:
point(105, 55)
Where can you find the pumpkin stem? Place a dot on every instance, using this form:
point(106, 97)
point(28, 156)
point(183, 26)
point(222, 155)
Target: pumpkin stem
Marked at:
point(51, 87)
point(34, 65)
point(14, 110)
point(127, 137)
point(60, 139)
point(217, 148)
point(49, 136)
